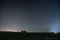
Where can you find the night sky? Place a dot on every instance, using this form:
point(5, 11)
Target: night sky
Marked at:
point(30, 15)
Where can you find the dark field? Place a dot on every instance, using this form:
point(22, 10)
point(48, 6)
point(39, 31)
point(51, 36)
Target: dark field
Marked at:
point(29, 36)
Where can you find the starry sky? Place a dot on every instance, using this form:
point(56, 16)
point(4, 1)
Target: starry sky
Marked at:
point(30, 15)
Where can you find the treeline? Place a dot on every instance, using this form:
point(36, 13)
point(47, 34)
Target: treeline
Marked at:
point(28, 36)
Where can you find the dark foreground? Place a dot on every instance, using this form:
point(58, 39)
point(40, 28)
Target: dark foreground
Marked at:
point(28, 36)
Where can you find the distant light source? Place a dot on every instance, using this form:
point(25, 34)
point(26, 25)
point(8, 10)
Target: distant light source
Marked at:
point(55, 32)
point(53, 28)
point(10, 30)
